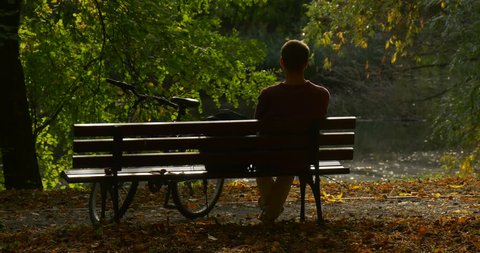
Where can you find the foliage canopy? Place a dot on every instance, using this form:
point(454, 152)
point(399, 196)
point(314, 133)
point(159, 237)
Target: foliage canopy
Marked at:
point(166, 48)
point(442, 35)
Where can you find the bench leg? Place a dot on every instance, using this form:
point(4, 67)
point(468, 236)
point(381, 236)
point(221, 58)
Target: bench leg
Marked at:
point(316, 193)
point(303, 185)
point(315, 186)
point(114, 194)
point(112, 190)
point(166, 202)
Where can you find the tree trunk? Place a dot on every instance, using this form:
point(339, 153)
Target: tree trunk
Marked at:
point(17, 143)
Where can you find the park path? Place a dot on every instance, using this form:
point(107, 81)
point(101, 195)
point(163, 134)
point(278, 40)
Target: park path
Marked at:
point(26, 209)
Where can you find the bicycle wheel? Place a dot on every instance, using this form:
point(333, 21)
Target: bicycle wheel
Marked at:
point(196, 198)
point(104, 212)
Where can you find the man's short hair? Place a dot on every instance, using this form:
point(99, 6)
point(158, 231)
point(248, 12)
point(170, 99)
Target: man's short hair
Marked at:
point(295, 54)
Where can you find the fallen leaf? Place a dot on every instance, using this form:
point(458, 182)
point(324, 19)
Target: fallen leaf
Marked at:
point(355, 187)
point(456, 186)
point(331, 198)
point(422, 229)
point(213, 238)
point(461, 211)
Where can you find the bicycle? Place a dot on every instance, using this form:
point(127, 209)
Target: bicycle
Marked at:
point(192, 198)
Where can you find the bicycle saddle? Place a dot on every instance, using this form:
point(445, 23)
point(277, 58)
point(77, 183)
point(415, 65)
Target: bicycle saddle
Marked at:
point(185, 102)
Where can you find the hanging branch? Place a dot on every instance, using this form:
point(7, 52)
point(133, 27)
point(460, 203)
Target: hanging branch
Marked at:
point(73, 87)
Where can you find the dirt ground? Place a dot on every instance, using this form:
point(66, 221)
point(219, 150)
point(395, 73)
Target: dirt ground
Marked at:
point(431, 215)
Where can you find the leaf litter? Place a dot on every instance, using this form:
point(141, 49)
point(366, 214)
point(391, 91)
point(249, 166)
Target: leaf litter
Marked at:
point(425, 215)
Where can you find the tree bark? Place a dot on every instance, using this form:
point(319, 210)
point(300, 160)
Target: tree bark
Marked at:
point(17, 143)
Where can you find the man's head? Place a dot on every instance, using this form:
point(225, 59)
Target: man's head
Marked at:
point(294, 56)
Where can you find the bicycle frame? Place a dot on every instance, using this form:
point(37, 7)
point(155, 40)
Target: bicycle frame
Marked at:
point(180, 105)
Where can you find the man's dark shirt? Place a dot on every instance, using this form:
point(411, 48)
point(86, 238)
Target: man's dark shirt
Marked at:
point(283, 101)
point(306, 101)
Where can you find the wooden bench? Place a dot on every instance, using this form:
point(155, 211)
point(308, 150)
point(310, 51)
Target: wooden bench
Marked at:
point(148, 151)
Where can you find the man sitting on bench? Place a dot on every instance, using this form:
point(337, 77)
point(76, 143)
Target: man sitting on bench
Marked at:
point(294, 98)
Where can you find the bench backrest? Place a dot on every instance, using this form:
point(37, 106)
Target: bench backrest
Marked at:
point(218, 143)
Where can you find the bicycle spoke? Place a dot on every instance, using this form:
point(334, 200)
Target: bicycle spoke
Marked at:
point(189, 195)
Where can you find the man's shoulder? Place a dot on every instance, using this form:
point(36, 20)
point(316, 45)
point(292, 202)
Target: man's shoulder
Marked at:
point(318, 88)
point(272, 87)
point(307, 87)
point(275, 88)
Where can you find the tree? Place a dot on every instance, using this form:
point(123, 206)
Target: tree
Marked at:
point(166, 48)
point(272, 22)
point(20, 167)
point(434, 38)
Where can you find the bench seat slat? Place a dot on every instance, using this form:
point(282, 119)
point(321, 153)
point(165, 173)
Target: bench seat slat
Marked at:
point(158, 169)
point(183, 173)
point(217, 157)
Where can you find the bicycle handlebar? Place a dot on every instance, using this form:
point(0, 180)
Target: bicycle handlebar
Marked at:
point(164, 101)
